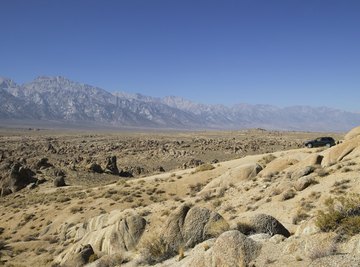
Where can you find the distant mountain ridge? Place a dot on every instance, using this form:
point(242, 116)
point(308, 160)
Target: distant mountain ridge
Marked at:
point(57, 99)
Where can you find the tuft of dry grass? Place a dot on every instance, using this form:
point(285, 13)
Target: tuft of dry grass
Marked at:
point(154, 249)
point(342, 215)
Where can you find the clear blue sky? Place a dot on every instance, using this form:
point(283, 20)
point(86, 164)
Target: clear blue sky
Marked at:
point(246, 51)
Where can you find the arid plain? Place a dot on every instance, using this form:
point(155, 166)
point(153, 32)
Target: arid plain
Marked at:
point(239, 198)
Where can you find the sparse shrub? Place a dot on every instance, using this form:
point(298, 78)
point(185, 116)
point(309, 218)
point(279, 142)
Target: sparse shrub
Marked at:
point(204, 167)
point(342, 215)
point(76, 209)
point(300, 216)
point(154, 249)
point(194, 188)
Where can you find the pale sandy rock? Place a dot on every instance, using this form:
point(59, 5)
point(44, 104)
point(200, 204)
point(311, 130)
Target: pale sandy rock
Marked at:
point(107, 234)
point(233, 248)
point(310, 160)
point(302, 172)
point(277, 165)
point(339, 152)
point(351, 246)
point(235, 175)
point(303, 182)
point(307, 228)
point(352, 133)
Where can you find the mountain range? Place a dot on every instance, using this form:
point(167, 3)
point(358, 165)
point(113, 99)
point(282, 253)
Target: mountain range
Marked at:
point(60, 100)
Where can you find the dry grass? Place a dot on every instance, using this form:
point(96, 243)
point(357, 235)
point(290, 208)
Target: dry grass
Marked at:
point(342, 215)
point(154, 249)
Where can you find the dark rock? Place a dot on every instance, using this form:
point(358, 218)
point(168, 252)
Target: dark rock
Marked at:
point(263, 223)
point(19, 177)
point(94, 167)
point(159, 169)
point(59, 181)
point(40, 181)
point(43, 163)
point(111, 166)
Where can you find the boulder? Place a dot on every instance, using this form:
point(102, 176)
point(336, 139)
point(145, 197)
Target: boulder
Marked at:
point(82, 257)
point(43, 163)
point(112, 233)
point(111, 166)
point(94, 167)
point(339, 152)
point(59, 181)
point(233, 248)
point(263, 223)
point(277, 165)
point(352, 133)
point(309, 160)
point(20, 176)
point(238, 174)
point(302, 172)
point(303, 182)
point(187, 227)
point(173, 228)
point(201, 224)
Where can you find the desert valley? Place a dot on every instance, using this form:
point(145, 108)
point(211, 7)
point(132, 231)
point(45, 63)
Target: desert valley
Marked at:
point(210, 198)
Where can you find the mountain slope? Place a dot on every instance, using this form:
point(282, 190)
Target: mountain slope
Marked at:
point(61, 100)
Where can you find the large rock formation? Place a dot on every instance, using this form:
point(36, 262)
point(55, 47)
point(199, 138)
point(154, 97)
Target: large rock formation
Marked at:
point(240, 173)
point(107, 233)
point(18, 178)
point(187, 226)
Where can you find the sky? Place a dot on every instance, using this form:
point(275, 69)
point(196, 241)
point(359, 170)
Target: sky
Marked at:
point(283, 53)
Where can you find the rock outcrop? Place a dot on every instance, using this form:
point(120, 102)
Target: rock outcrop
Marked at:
point(111, 166)
point(19, 177)
point(107, 234)
point(187, 226)
point(267, 224)
point(241, 173)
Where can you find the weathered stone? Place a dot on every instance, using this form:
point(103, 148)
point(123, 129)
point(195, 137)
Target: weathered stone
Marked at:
point(263, 223)
point(59, 181)
point(111, 166)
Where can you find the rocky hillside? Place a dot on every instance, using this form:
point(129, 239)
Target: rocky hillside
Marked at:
point(296, 207)
point(57, 99)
